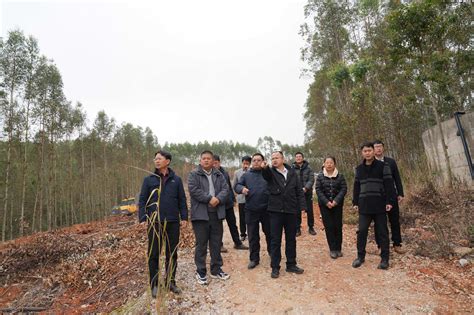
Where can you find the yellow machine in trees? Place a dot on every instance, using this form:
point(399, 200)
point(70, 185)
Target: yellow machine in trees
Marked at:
point(127, 206)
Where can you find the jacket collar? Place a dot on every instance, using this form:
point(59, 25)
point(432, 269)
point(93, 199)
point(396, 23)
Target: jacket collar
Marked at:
point(334, 174)
point(200, 171)
point(170, 172)
point(302, 167)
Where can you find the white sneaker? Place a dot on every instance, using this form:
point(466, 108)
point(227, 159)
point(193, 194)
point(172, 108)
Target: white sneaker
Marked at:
point(202, 280)
point(220, 275)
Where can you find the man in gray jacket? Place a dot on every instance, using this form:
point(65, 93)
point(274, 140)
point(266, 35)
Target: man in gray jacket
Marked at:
point(241, 197)
point(208, 191)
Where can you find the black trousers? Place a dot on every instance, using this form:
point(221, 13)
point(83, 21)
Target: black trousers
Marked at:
point(394, 219)
point(208, 233)
point(332, 220)
point(232, 224)
point(242, 225)
point(278, 222)
point(158, 235)
point(254, 219)
point(380, 222)
point(309, 211)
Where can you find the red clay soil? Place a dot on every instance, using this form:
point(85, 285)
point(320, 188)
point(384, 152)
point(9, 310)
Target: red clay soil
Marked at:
point(101, 266)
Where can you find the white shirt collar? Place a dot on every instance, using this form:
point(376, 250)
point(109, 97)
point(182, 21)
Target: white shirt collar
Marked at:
point(283, 172)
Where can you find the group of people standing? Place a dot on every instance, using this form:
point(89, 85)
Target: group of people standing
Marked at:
point(271, 196)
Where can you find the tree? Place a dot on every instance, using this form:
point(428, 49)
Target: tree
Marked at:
point(13, 72)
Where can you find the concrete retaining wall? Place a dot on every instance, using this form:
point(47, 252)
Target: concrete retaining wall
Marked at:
point(457, 157)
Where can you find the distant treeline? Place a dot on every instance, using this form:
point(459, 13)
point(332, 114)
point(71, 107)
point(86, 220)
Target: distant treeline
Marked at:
point(56, 168)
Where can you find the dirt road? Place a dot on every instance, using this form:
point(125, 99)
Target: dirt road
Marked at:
point(101, 267)
point(412, 284)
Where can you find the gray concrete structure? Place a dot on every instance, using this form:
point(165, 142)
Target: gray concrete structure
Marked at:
point(457, 158)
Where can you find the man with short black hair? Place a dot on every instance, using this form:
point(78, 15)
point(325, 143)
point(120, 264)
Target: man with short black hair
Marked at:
point(394, 214)
point(373, 196)
point(306, 177)
point(286, 195)
point(246, 160)
point(209, 192)
point(229, 209)
point(254, 188)
point(163, 225)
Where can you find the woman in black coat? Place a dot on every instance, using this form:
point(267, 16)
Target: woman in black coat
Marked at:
point(331, 188)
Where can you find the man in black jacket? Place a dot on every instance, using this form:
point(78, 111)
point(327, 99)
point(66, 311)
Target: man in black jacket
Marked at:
point(254, 188)
point(163, 225)
point(229, 209)
point(286, 197)
point(306, 177)
point(373, 196)
point(394, 214)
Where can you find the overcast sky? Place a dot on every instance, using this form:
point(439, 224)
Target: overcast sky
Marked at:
point(190, 70)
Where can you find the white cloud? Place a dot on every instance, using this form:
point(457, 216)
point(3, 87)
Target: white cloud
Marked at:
point(190, 70)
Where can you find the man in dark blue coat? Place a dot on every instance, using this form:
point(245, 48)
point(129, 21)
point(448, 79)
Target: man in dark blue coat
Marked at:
point(162, 205)
point(252, 185)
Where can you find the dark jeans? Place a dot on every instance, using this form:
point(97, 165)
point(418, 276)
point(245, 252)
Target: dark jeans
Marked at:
point(159, 234)
point(332, 220)
point(309, 211)
point(380, 222)
point(278, 222)
point(254, 219)
point(394, 219)
point(208, 233)
point(242, 225)
point(232, 224)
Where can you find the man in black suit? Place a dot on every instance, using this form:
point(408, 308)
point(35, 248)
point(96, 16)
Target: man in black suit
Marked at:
point(394, 214)
point(286, 198)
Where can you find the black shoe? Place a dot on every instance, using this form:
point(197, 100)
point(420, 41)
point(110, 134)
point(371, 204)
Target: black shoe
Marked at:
point(383, 265)
point(295, 269)
point(312, 231)
point(154, 292)
point(339, 253)
point(241, 246)
point(298, 233)
point(243, 238)
point(174, 288)
point(358, 262)
point(333, 254)
point(252, 264)
point(275, 273)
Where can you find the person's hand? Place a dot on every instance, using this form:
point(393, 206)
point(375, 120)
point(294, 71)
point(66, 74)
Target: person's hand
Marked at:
point(305, 189)
point(400, 198)
point(303, 210)
point(183, 223)
point(245, 191)
point(214, 202)
point(333, 204)
point(264, 164)
point(388, 208)
point(356, 208)
point(329, 205)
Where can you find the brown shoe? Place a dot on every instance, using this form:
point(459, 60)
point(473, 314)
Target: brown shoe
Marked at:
point(224, 250)
point(399, 249)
